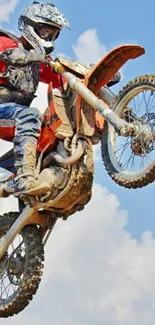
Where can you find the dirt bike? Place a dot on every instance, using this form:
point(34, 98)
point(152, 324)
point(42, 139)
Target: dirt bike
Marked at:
point(76, 119)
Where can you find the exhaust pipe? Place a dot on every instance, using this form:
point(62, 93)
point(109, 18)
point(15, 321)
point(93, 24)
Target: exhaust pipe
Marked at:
point(66, 161)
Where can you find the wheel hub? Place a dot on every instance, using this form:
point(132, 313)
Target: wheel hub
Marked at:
point(143, 139)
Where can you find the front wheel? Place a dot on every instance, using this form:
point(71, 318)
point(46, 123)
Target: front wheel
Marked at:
point(20, 268)
point(130, 161)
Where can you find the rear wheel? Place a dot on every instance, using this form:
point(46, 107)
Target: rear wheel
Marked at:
point(130, 161)
point(20, 268)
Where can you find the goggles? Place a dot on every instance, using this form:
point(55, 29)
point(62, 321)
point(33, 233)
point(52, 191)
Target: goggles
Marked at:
point(48, 33)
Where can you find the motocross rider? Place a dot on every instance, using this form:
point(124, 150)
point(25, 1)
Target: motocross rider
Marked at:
point(22, 65)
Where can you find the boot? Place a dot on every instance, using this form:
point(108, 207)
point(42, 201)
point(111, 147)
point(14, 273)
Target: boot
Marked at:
point(6, 189)
point(25, 164)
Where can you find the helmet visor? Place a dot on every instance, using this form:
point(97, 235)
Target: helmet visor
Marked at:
point(48, 33)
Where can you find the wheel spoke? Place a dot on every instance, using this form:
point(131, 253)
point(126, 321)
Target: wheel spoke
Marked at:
point(152, 99)
point(138, 112)
point(142, 163)
point(132, 162)
point(145, 102)
point(135, 105)
point(9, 283)
point(128, 141)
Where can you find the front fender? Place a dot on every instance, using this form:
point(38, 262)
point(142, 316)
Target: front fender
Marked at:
point(106, 68)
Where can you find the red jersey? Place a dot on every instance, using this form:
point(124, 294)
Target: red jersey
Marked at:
point(46, 73)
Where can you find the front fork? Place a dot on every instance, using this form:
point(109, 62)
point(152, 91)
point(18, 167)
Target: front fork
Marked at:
point(121, 127)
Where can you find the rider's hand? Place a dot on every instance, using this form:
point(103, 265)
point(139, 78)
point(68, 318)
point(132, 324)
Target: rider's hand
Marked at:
point(48, 62)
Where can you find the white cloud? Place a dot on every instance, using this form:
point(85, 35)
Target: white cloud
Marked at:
point(89, 48)
point(97, 151)
point(61, 55)
point(41, 100)
point(6, 8)
point(95, 271)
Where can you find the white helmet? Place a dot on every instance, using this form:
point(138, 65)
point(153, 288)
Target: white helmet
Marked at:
point(41, 16)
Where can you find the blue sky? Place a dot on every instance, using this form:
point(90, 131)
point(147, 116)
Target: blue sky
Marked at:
point(116, 22)
point(99, 267)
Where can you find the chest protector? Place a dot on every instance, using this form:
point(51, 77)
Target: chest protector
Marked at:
point(24, 79)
